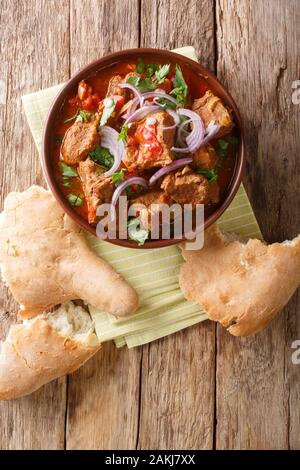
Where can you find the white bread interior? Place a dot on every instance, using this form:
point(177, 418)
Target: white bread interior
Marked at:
point(45, 259)
point(44, 348)
point(241, 284)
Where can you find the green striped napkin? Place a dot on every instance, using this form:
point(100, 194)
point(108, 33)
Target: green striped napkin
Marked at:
point(153, 273)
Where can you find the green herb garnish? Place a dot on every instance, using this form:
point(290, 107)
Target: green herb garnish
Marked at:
point(166, 104)
point(118, 177)
point(83, 116)
point(72, 117)
point(130, 192)
point(109, 107)
point(140, 67)
point(75, 200)
point(162, 72)
point(151, 69)
point(180, 90)
point(67, 171)
point(211, 175)
point(222, 148)
point(142, 84)
point(123, 135)
point(136, 233)
point(68, 184)
point(102, 156)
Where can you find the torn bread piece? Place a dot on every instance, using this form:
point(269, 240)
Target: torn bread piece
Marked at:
point(241, 285)
point(45, 259)
point(44, 348)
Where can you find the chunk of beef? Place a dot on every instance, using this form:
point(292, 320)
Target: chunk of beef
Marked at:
point(214, 192)
point(129, 94)
point(114, 86)
point(80, 139)
point(97, 188)
point(187, 187)
point(210, 108)
point(149, 145)
point(206, 157)
point(154, 196)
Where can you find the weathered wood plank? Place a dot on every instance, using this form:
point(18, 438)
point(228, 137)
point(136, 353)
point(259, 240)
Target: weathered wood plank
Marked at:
point(257, 398)
point(178, 372)
point(33, 56)
point(169, 24)
point(103, 397)
point(177, 391)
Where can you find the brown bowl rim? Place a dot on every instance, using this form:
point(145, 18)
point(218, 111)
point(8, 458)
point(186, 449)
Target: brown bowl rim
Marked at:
point(88, 70)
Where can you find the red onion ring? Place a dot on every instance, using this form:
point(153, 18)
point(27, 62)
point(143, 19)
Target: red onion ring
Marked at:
point(134, 90)
point(141, 113)
point(166, 169)
point(211, 131)
point(195, 138)
point(160, 94)
point(109, 140)
point(120, 189)
point(182, 129)
point(175, 117)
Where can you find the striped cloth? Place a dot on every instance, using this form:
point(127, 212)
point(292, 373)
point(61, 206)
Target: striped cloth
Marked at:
point(153, 273)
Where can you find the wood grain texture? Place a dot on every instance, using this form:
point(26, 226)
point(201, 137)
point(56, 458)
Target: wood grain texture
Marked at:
point(169, 24)
point(179, 371)
point(163, 395)
point(28, 64)
point(103, 401)
point(257, 397)
point(177, 391)
point(103, 397)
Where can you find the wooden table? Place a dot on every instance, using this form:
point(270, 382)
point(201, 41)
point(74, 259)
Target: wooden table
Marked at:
point(200, 388)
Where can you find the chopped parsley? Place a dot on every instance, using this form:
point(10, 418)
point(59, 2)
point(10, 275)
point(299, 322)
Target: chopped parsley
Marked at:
point(165, 103)
point(211, 175)
point(142, 84)
point(102, 156)
point(83, 116)
point(140, 66)
point(222, 148)
point(180, 90)
point(151, 69)
point(67, 171)
point(118, 177)
point(123, 135)
point(136, 233)
point(72, 117)
point(161, 73)
point(68, 184)
point(75, 200)
point(109, 107)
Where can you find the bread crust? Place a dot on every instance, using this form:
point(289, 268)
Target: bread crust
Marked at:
point(241, 285)
point(34, 354)
point(45, 259)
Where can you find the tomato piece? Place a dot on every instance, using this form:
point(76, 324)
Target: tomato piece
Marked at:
point(88, 104)
point(96, 98)
point(146, 135)
point(119, 100)
point(131, 141)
